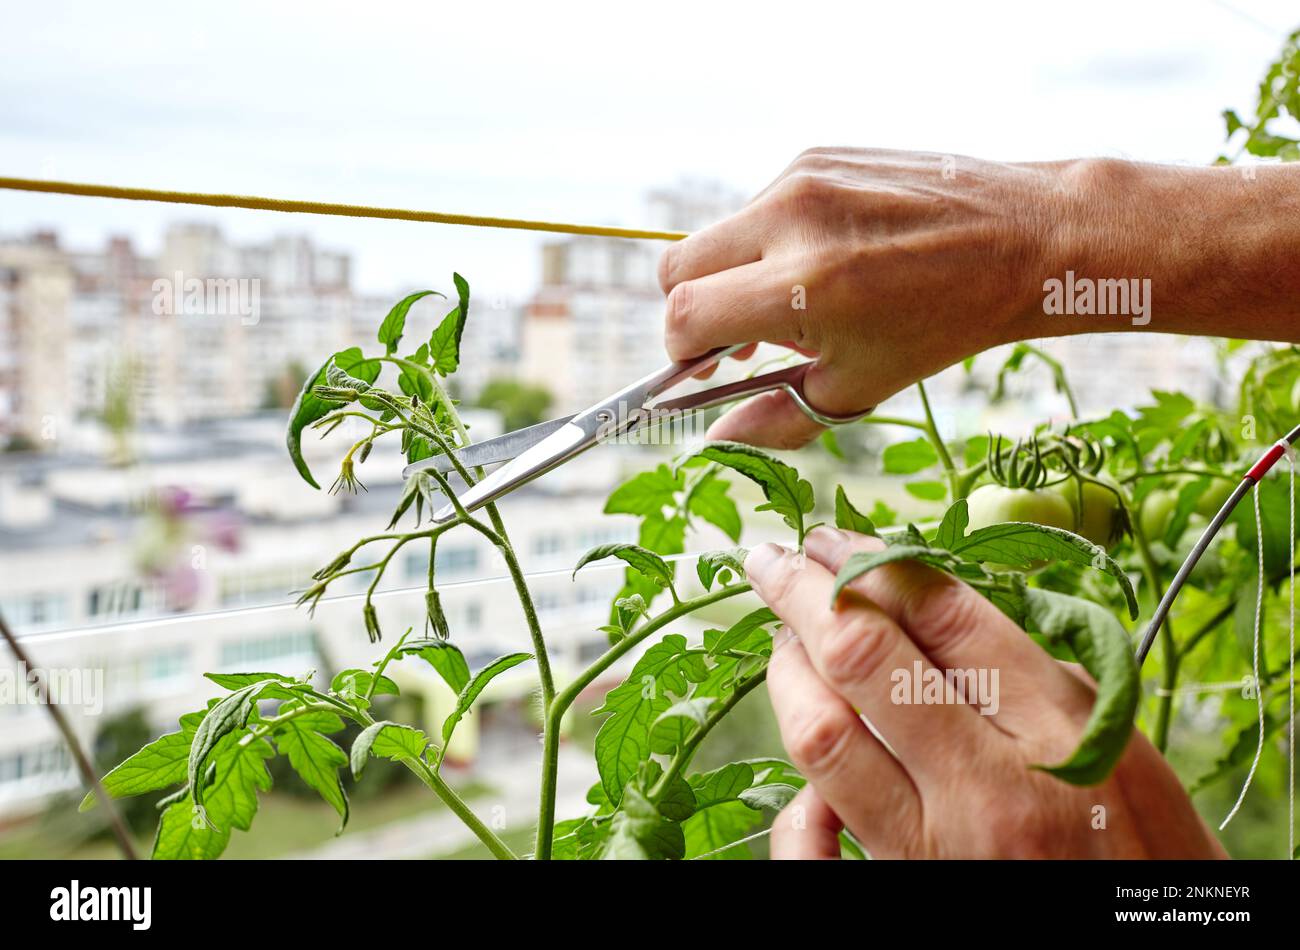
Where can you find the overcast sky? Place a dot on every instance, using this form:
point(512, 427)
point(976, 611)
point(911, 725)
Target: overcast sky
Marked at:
point(572, 111)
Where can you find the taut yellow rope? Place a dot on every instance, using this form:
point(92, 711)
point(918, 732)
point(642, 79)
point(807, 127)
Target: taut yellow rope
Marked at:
point(325, 207)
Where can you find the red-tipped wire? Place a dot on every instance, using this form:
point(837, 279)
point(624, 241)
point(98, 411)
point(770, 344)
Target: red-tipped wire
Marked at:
point(1248, 481)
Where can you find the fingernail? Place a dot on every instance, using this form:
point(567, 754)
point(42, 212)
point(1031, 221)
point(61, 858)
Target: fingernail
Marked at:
point(781, 637)
point(823, 541)
point(763, 562)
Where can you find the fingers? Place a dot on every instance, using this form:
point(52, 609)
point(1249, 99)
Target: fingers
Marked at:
point(747, 304)
point(959, 630)
point(771, 421)
point(853, 771)
point(806, 829)
point(866, 658)
point(775, 421)
point(733, 242)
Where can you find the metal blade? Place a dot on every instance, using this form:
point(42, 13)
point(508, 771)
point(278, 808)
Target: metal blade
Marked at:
point(556, 448)
point(500, 449)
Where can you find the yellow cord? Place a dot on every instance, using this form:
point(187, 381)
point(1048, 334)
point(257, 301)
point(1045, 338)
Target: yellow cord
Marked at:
point(325, 207)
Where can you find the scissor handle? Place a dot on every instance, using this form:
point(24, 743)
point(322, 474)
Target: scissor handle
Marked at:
point(791, 379)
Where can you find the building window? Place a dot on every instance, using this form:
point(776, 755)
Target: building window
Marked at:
point(548, 543)
point(36, 610)
point(252, 652)
point(167, 665)
point(447, 560)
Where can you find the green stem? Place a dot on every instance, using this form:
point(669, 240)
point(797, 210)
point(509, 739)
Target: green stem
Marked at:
point(565, 698)
point(932, 432)
point(453, 801)
point(684, 755)
point(1168, 645)
point(894, 421)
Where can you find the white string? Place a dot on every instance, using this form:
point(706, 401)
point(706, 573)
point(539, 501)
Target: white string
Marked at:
point(1259, 692)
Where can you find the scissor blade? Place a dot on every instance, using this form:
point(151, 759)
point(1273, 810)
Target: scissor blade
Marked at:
point(500, 449)
point(559, 446)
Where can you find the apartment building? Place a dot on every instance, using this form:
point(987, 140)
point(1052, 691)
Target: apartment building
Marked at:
point(136, 611)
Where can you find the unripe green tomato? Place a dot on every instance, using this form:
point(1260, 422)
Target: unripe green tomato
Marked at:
point(993, 504)
point(1212, 498)
point(1099, 519)
point(1157, 509)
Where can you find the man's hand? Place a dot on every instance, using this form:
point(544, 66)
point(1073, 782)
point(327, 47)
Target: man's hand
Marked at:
point(942, 780)
point(890, 266)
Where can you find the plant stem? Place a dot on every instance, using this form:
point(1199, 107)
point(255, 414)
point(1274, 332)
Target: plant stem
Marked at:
point(453, 801)
point(932, 431)
point(1168, 645)
point(894, 421)
point(684, 755)
point(565, 698)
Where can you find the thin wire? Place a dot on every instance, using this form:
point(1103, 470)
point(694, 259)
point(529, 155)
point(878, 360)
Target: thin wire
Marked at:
point(1259, 692)
point(325, 207)
point(67, 633)
point(734, 844)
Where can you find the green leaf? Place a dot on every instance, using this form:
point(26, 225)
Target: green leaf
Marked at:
point(977, 447)
point(309, 407)
point(716, 642)
point(663, 672)
point(444, 657)
point(722, 784)
point(928, 490)
point(953, 527)
point(390, 331)
point(1241, 749)
point(712, 563)
point(240, 680)
point(357, 683)
point(475, 686)
point(638, 832)
point(906, 458)
point(182, 835)
point(1023, 544)
point(391, 740)
point(883, 515)
point(236, 772)
point(848, 517)
point(159, 764)
point(774, 795)
point(444, 343)
point(1100, 643)
point(710, 829)
point(228, 715)
point(866, 561)
point(414, 383)
point(315, 757)
point(674, 725)
point(645, 562)
point(647, 493)
point(708, 499)
point(787, 494)
point(663, 535)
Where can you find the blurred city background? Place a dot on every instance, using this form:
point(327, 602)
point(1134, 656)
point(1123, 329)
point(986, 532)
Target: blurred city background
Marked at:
point(151, 524)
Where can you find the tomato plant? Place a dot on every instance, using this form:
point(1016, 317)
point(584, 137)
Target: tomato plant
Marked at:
point(1074, 535)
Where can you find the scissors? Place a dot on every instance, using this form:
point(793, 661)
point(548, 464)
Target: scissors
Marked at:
point(535, 450)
